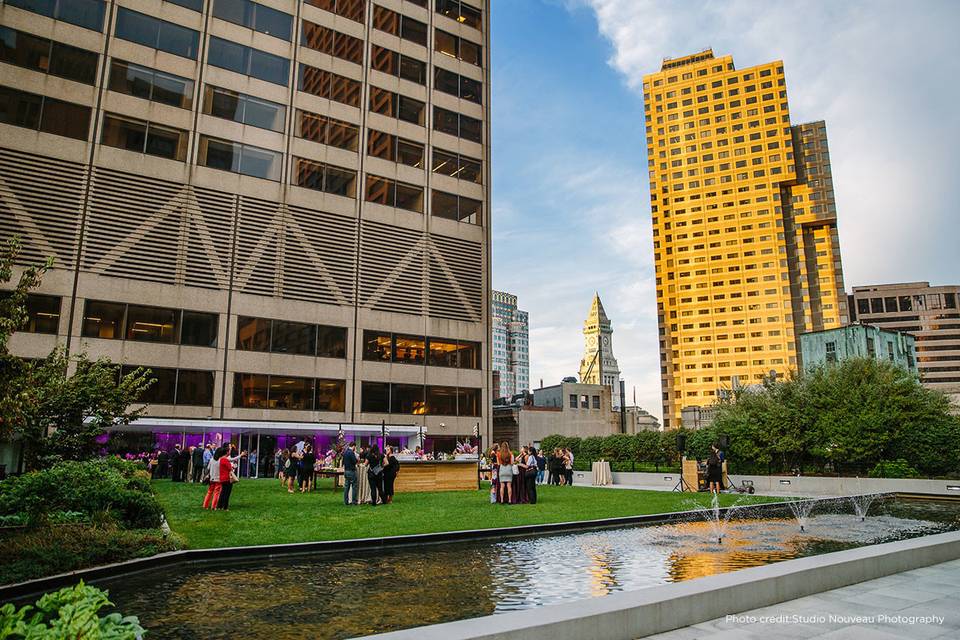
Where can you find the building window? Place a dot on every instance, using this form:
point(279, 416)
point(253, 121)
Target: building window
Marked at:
point(461, 12)
point(193, 5)
point(455, 207)
point(194, 388)
point(326, 178)
point(409, 349)
point(43, 55)
point(103, 320)
point(890, 351)
point(256, 391)
point(43, 313)
point(871, 349)
point(288, 392)
point(831, 348)
point(83, 13)
point(460, 86)
point(395, 64)
point(350, 9)
point(239, 158)
point(457, 166)
point(114, 321)
point(573, 401)
point(157, 34)
point(255, 16)
point(156, 86)
point(152, 324)
point(331, 42)
point(331, 395)
point(250, 390)
point(390, 147)
point(329, 85)
point(377, 346)
point(248, 61)
point(394, 194)
point(375, 397)
point(397, 106)
point(399, 25)
point(281, 336)
point(596, 401)
point(441, 401)
point(144, 137)
point(584, 402)
point(457, 47)
point(442, 353)
point(240, 107)
point(329, 131)
point(456, 124)
point(40, 113)
point(164, 388)
point(408, 399)
point(199, 329)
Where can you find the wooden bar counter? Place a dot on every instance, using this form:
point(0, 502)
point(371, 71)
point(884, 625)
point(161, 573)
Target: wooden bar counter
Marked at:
point(437, 475)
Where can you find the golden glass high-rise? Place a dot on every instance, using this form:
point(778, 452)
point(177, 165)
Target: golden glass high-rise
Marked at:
point(744, 227)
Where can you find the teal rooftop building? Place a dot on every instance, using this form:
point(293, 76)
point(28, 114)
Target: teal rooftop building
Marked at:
point(857, 341)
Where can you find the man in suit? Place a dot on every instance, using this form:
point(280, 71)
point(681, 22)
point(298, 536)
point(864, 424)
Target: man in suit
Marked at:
point(350, 475)
point(196, 456)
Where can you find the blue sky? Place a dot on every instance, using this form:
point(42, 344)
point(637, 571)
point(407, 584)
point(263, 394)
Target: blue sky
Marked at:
point(570, 201)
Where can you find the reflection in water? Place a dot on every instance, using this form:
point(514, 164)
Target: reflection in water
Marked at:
point(359, 594)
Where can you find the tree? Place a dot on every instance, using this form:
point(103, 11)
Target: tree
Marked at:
point(57, 406)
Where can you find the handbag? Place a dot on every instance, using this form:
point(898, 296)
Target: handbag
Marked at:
point(377, 470)
point(516, 469)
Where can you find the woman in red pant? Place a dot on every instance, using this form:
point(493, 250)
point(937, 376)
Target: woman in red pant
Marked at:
point(214, 488)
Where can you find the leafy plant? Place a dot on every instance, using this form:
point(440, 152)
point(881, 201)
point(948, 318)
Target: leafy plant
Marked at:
point(72, 612)
point(893, 469)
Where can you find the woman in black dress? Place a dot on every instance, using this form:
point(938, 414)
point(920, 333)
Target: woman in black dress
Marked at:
point(306, 469)
point(714, 470)
point(375, 473)
point(391, 468)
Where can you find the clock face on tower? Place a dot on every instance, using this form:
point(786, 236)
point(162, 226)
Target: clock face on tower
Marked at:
point(593, 341)
point(606, 340)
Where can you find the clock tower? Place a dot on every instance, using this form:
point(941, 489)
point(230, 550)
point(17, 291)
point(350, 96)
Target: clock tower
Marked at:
point(598, 357)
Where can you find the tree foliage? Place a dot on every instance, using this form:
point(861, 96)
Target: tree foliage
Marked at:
point(56, 406)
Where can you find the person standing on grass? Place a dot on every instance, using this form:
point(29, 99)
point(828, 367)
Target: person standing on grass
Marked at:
point(391, 468)
point(505, 472)
point(196, 457)
point(306, 469)
point(214, 489)
point(350, 475)
point(290, 469)
point(227, 478)
point(375, 473)
point(541, 465)
point(568, 466)
point(530, 475)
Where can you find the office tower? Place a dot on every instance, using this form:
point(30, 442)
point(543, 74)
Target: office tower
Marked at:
point(510, 346)
point(598, 365)
point(930, 314)
point(744, 223)
point(281, 208)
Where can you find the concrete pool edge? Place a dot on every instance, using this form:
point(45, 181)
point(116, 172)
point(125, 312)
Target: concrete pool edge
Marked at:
point(636, 614)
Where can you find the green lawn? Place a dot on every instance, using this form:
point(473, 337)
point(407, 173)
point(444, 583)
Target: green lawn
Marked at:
point(263, 513)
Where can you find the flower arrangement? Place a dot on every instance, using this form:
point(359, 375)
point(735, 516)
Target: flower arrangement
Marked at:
point(465, 447)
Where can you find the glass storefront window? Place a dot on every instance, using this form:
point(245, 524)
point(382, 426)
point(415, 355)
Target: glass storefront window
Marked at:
point(103, 320)
point(152, 324)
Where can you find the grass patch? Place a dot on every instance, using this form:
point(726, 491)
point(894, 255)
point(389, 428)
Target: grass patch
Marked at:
point(263, 513)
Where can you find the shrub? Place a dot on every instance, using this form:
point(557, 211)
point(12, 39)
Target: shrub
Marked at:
point(108, 488)
point(72, 612)
point(893, 469)
point(43, 551)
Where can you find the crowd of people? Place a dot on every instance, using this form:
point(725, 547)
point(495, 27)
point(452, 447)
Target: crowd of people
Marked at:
point(368, 474)
point(515, 477)
point(188, 464)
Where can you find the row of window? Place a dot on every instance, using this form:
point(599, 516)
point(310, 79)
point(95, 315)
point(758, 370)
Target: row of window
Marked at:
point(41, 113)
point(906, 303)
point(380, 346)
point(298, 338)
point(83, 13)
point(119, 321)
point(185, 387)
point(417, 399)
point(260, 391)
point(46, 56)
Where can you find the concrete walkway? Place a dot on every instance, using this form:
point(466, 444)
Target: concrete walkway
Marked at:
point(918, 604)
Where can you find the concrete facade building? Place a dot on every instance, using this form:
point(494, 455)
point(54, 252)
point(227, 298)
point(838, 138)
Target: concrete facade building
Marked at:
point(929, 313)
point(858, 341)
point(568, 409)
point(510, 345)
point(599, 366)
point(281, 207)
point(746, 248)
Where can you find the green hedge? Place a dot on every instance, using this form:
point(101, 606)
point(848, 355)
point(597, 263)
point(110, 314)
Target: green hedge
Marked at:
point(650, 449)
point(108, 490)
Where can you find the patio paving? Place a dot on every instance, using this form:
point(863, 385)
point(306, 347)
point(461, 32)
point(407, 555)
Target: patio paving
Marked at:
point(918, 604)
